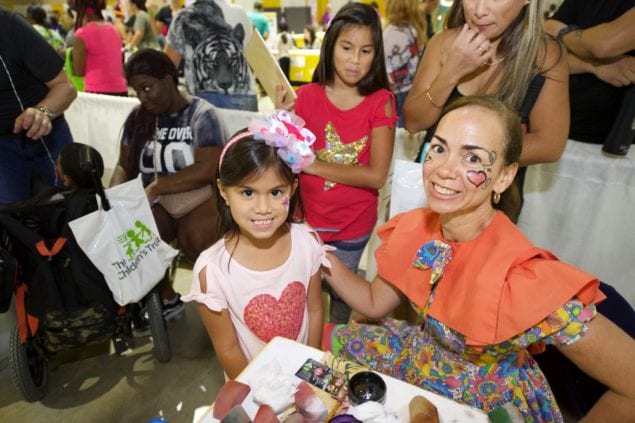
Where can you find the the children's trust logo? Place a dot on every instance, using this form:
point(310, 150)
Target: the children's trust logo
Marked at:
point(132, 240)
point(137, 242)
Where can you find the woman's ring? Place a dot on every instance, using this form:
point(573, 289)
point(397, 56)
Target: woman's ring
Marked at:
point(480, 50)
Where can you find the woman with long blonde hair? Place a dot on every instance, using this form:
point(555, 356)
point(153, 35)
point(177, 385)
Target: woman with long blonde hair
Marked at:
point(497, 47)
point(404, 40)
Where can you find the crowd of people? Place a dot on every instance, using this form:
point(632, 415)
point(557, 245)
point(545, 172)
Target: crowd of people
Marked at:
point(292, 200)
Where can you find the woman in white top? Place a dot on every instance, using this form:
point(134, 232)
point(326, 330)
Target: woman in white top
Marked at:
point(404, 40)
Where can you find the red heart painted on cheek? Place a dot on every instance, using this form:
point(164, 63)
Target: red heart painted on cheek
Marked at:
point(477, 178)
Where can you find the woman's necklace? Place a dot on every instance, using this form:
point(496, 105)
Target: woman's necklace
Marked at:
point(489, 63)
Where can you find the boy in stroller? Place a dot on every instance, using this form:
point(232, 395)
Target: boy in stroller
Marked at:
point(62, 289)
point(62, 299)
point(72, 169)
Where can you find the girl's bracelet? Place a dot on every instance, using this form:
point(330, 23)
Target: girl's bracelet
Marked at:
point(430, 99)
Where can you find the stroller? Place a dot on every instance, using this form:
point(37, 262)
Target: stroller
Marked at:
point(62, 300)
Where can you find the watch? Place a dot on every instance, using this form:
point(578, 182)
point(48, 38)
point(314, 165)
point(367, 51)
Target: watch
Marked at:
point(47, 112)
point(567, 29)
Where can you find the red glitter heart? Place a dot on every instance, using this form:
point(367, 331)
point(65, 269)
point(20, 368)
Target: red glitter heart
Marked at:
point(267, 317)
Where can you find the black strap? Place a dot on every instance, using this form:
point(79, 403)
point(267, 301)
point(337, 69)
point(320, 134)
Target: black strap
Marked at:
point(533, 91)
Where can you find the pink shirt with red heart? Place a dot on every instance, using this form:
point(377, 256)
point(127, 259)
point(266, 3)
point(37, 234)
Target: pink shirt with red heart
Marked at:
point(261, 304)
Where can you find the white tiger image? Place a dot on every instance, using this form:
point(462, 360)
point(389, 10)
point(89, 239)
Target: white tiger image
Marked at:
point(212, 48)
point(219, 64)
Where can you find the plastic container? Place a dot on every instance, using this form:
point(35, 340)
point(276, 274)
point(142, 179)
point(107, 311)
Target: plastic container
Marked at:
point(366, 386)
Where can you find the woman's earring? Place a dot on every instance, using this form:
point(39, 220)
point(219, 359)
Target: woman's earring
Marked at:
point(496, 197)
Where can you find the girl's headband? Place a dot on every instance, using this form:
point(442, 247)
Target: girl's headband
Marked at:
point(283, 130)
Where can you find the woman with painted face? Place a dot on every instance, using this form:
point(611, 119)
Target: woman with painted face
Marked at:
point(484, 294)
point(174, 141)
point(499, 48)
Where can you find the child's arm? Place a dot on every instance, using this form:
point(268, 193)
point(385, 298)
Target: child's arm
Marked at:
point(283, 100)
point(220, 330)
point(223, 335)
point(314, 306)
point(375, 173)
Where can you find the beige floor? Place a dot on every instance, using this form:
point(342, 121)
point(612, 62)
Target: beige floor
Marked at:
point(130, 388)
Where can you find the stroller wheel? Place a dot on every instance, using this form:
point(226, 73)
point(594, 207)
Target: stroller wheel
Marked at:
point(158, 328)
point(29, 368)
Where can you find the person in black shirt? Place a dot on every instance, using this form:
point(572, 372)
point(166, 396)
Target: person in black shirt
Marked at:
point(600, 37)
point(34, 92)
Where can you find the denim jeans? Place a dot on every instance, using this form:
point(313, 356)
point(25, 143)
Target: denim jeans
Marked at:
point(350, 252)
point(400, 99)
point(248, 102)
point(21, 157)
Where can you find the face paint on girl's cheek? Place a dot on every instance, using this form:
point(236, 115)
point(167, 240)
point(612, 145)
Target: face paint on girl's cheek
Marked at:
point(285, 203)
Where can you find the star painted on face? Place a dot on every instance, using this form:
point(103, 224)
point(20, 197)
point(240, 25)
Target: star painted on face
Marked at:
point(338, 152)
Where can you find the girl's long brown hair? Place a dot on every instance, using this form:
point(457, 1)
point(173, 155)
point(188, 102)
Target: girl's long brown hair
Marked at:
point(354, 14)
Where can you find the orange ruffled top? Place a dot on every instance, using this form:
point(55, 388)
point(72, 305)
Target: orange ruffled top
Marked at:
point(496, 285)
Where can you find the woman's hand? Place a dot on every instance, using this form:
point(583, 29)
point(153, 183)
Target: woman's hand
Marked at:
point(469, 51)
point(619, 72)
point(151, 191)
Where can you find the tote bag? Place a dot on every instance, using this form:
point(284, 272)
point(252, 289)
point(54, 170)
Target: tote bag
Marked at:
point(124, 244)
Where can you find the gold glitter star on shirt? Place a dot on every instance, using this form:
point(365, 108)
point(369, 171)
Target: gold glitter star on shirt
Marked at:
point(338, 152)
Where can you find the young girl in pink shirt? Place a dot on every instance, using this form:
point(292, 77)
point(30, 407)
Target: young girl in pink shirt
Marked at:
point(262, 279)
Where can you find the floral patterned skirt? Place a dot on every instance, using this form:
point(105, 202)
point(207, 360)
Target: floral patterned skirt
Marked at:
point(486, 379)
